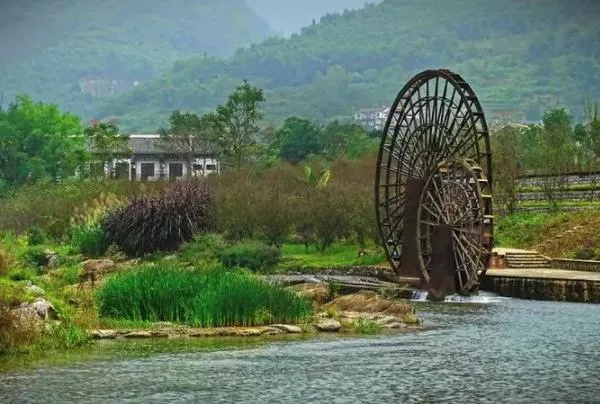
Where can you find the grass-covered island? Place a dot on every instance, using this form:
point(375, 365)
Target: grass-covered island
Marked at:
point(86, 260)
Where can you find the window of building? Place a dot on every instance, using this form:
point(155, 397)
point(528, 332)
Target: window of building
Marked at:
point(175, 170)
point(211, 167)
point(121, 171)
point(147, 170)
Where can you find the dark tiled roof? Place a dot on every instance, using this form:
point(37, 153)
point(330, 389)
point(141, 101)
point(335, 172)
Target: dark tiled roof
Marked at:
point(153, 144)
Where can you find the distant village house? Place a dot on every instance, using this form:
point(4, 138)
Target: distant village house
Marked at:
point(150, 160)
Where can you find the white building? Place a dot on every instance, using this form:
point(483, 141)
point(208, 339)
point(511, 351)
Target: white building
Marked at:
point(150, 160)
point(372, 118)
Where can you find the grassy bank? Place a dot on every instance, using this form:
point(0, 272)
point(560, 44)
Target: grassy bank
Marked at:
point(571, 234)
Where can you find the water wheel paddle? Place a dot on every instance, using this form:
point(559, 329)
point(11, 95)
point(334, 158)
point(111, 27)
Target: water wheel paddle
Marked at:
point(433, 184)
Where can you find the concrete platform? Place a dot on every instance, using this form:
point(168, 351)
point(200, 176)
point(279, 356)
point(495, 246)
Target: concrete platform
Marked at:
point(544, 273)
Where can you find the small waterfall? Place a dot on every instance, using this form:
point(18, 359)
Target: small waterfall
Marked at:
point(481, 298)
point(419, 295)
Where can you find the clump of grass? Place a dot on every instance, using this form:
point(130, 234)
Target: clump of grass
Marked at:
point(213, 298)
point(64, 336)
point(365, 326)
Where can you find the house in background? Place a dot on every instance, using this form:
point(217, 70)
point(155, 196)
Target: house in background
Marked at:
point(372, 118)
point(149, 159)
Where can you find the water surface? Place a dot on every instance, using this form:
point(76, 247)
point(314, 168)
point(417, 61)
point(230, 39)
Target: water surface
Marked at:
point(499, 350)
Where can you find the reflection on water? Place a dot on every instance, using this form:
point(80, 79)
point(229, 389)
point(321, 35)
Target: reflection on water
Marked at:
point(506, 350)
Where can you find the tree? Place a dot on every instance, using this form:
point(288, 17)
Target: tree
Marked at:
point(555, 152)
point(239, 117)
point(299, 138)
point(190, 135)
point(107, 142)
point(38, 141)
point(507, 167)
point(347, 139)
point(588, 138)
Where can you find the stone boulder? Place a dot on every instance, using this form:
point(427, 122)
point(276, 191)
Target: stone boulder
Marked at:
point(370, 302)
point(290, 329)
point(371, 306)
point(36, 290)
point(51, 259)
point(327, 325)
point(104, 334)
point(317, 292)
point(42, 308)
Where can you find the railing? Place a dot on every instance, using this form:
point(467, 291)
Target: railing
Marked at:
point(575, 265)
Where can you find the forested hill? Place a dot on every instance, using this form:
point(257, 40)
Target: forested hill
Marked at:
point(73, 52)
point(521, 57)
point(287, 17)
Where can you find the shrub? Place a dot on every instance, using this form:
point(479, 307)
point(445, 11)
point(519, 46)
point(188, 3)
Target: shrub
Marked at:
point(23, 274)
point(88, 239)
point(52, 207)
point(5, 260)
point(203, 299)
point(35, 256)
point(162, 222)
point(36, 235)
point(236, 203)
point(587, 253)
point(255, 256)
point(204, 248)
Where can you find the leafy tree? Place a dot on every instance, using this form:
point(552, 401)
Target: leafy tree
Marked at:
point(107, 142)
point(299, 138)
point(239, 117)
point(189, 135)
point(555, 153)
point(38, 141)
point(506, 161)
point(347, 139)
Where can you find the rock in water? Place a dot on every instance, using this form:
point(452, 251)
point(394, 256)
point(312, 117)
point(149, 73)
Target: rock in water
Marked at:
point(104, 334)
point(290, 329)
point(328, 325)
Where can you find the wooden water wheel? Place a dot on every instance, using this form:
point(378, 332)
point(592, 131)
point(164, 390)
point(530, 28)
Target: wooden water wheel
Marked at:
point(433, 184)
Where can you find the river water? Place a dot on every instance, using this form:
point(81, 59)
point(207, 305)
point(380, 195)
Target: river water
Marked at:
point(496, 350)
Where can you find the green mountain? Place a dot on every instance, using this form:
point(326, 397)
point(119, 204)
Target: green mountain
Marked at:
point(288, 17)
point(520, 57)
point(76, 52)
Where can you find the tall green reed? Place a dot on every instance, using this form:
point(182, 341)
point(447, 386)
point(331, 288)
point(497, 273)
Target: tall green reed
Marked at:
point(214, 298)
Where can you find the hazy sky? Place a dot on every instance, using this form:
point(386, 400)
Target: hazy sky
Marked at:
point(288, 16)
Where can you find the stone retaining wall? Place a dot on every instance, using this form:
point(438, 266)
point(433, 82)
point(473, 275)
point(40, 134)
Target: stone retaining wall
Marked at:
point(544, 289)
point(576, 265)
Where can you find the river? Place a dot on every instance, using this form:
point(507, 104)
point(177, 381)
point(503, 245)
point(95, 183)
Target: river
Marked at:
point(498, 350)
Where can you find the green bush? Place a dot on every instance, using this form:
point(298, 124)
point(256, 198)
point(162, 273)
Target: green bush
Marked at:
point(36, 235)
point(255, 256)
point(88, 239)
point(586, 253)
point(162, 222)
point(202, 299)
point(204, 248)
point(34, 256)
point(23, 274)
